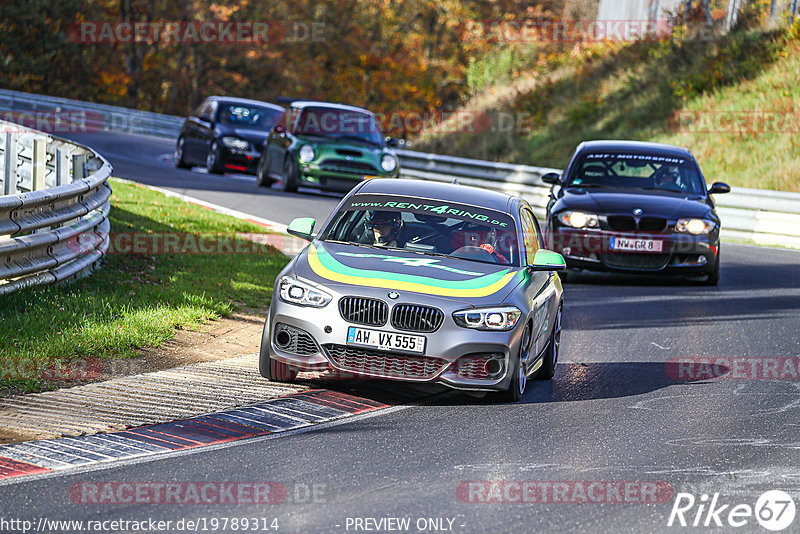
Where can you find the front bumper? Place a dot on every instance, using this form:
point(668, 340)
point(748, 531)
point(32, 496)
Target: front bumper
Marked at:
point(452, 356)
point(682, 254)
point(243, 161)
point(312, 174)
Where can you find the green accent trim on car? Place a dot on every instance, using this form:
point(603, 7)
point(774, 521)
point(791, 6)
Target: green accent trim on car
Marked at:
point(302, 227)
point(547, 260)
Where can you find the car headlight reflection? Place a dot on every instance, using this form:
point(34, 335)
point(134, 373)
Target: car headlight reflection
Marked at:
point(388, 163)
point(694, 226)
point(235, 142)
point(579, 219)
point(296, 292)
point(503, 318)
point(306, 153)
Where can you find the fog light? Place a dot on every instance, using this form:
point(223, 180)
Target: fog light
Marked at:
point(494, 367)
point(283, 339)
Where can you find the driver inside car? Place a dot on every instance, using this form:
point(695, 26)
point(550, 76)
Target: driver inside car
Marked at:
point(387, 228)
point(668, 177)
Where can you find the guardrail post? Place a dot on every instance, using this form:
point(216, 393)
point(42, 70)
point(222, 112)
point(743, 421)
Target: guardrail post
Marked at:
point(39, 165)
point(78, 167)
point(10, 164)
point(62, 167)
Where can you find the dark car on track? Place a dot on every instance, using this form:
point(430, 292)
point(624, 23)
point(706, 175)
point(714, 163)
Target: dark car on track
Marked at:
point(226, 134)
point(326, 146)
point(635, 207)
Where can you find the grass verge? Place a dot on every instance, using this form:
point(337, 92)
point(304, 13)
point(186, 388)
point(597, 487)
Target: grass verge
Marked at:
point(134, 300)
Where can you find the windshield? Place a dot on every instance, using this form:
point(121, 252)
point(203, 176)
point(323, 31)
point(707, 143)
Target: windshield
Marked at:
point(637, 171)
point(428, 227)
point(250, 117)
point(338, 124)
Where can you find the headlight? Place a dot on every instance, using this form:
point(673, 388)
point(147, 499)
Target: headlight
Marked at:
point(235, 142)
point(388, 163)
point(297, 292)
point(694, 226)
point(579, 219)
point(306, 153)
point(504, 318)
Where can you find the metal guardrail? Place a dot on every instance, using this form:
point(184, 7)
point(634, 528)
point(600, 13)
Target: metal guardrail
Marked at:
point(53, 210)
point(75, 116)
point(760, 216)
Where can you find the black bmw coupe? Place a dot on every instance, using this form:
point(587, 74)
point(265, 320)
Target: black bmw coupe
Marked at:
point(628, 206)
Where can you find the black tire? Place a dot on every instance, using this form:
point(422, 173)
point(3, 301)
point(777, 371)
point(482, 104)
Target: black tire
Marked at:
point(519, 371)
point(552, 352)
point(289, 175)
point(713, 275)
point(270, 369)
point(262, 176)
point(214, 160)
point(180, 161)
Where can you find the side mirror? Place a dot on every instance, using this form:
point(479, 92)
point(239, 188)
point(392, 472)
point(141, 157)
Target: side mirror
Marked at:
point(547, 260)
point(204, 118)
point(302, 228)
point(552, 178)
point(279, 129)
point(718, 188)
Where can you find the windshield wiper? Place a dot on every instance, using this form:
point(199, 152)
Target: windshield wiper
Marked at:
point(416, 251)
point(357, 138)
point(313, 134)
point(666, 189)
point(353, 243)
point(586, 185)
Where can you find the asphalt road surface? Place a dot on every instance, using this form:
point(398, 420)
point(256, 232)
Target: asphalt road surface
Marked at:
point(149, 160)
point(620, 409)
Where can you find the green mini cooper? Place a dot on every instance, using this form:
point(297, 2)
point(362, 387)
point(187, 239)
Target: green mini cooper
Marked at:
point(326, 146)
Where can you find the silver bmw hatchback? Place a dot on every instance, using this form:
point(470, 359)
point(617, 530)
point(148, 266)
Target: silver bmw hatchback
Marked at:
point(419, 281)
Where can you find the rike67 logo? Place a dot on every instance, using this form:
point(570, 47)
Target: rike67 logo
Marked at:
point(774, 510)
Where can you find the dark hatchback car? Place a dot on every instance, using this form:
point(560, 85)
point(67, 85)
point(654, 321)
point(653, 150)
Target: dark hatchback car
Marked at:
point(226, 134)
point(326, 146)
point(635, 207)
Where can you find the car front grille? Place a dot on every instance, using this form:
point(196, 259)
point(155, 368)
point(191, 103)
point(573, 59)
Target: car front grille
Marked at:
point(384, 364)
point(621, 223)
point(294, 340)
point(626, 223)
point(652, 224)
point(651, 262)
point(360, 310)
point(347, 152)
point(343, 165)
point(413, 318)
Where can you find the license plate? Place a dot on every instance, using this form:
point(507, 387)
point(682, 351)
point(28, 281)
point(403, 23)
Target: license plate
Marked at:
point(363, 337)
point(636, 245)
